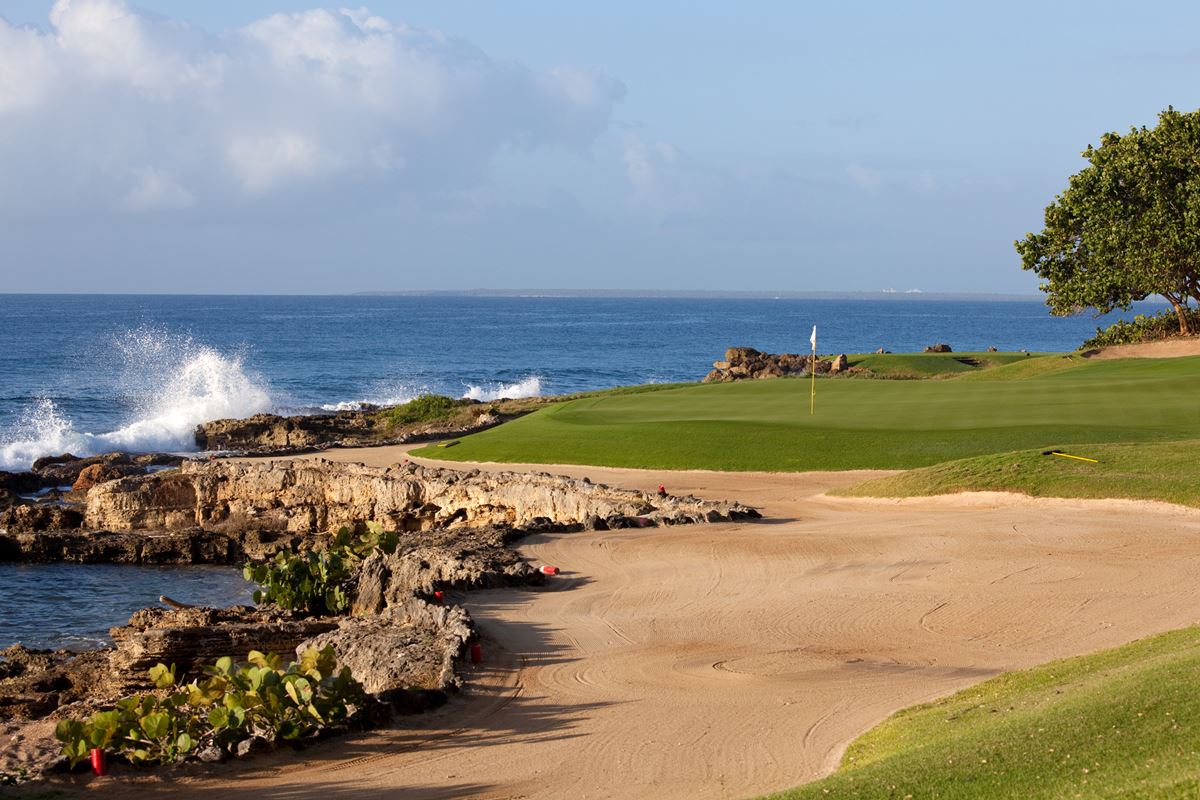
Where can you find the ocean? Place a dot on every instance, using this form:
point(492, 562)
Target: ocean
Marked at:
point(88, 374)
point(91, 374)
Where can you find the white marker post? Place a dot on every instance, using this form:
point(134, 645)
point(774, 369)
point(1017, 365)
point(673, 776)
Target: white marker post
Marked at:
point(812, 403)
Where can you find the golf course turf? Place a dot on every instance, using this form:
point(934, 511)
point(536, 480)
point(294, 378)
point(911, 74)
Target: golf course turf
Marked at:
point(1118, 723)
point(1035, 403)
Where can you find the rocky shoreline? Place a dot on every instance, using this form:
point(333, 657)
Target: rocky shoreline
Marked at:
point(400, 641)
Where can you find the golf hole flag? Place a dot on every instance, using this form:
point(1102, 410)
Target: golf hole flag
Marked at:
point(812, 401)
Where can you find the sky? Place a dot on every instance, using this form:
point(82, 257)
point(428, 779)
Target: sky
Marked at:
point(281, 146)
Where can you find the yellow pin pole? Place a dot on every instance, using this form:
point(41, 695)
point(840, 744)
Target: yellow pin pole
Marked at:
point(1077, 458)
point(812, 403)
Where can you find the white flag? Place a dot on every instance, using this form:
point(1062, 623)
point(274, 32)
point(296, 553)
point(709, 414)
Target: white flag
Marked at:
point(813, 338)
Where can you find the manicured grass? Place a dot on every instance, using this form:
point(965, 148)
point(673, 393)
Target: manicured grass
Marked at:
point(932, 365)
point(765, 425)
point(1167, 471)
point(1119, 723)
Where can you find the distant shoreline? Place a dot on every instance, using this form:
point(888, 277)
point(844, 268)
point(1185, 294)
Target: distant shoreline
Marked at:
point(593, 294)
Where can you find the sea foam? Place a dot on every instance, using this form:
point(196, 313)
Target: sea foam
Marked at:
point(172, 385)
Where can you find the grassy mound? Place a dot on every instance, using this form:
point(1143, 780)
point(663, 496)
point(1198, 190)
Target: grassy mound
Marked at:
point(1119, 723)
point(765, 425)
point(1167, 471)
point(932, 365)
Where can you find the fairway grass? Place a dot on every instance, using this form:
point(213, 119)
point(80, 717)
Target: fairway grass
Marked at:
point(1119, 723)
point(859, 424)
point(1166, 471)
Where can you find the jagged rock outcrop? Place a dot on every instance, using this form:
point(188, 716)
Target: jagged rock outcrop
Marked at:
point(302, 431)
point(938, 348)
point(413, 644)
point(270, 434)
point(190, 546)
point(310, 496)
point(196, 636)
point(459, 559)
point(746, 363)
point(27, 517)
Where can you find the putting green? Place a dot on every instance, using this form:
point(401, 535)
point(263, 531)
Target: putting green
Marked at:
point(885, 424)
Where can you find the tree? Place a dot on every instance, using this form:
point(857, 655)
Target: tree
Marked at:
point(1127, 226)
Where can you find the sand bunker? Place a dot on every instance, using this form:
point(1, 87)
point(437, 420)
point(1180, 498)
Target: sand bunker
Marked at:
point(1170, 348)
point(733, 659)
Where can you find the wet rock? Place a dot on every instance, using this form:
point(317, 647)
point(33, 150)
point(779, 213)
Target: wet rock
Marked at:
point(25, 517)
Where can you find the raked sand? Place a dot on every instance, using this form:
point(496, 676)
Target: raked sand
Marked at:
point(736, 659)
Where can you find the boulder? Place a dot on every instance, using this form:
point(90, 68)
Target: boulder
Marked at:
point(991, 348)
point(410, 646)
point(881, 351)
point(938, 348)
point(746, 363)
point(93, 474)
point(840, 364)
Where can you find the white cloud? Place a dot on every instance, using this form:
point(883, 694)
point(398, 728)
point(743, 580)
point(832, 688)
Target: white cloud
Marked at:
point(113, 108)
point(155, 190)
point(869, 180)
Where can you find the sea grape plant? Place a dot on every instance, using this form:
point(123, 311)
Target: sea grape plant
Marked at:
point(232, 703)
point(317, 581)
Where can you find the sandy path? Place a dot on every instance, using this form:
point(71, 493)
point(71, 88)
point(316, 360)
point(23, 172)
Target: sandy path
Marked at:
point(729, 660)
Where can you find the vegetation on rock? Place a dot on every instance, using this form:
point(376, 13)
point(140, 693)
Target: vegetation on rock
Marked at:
point(261, 699)
point(318, 581)
point(1125, 227)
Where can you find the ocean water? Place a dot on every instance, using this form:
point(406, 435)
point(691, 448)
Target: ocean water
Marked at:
point(72, 606)
point(88, 374)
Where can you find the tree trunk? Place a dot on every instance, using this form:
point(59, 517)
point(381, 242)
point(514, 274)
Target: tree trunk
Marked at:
point(1185, 327)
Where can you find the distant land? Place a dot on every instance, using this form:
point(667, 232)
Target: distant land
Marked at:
point(697, 294)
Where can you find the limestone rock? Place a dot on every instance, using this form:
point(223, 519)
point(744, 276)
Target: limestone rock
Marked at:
point(412, 645)
point(311, 496)
point(196, 636)
point(840, 364)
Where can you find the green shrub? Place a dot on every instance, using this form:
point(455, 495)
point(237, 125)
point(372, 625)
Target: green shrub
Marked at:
point(317, 582)
point(426, 408)
point(1141, 328)
point(233, 703)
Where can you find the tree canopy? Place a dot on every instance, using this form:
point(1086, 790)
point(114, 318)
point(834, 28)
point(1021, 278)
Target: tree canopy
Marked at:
point(1128, 225)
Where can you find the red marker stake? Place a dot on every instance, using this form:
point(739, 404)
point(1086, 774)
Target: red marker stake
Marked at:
point(439, 596)
point(476, 653)
point(549, 570)
point(99, 761)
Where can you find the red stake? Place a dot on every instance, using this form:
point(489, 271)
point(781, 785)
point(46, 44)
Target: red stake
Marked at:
point(546, 569)
point(99, 761)
point(476, 653)
point(439, 596)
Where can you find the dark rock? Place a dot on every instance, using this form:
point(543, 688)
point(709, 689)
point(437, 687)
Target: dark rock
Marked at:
point(991, 348)
point(197, 636)
point(746, 363)
point(938, 348)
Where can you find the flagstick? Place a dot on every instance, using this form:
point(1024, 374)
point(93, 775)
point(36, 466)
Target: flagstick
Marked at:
point(812, 403)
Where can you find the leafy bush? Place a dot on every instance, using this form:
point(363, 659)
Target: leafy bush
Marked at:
point(426, 408)
point(234, 703)
point(1141, 328)
point(317, 582)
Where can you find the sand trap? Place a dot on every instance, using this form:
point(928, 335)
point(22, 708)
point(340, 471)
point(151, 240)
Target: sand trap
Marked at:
point(1171, 348)
point(728, 660)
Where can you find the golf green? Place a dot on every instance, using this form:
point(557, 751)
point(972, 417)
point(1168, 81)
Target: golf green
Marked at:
point(885, 424)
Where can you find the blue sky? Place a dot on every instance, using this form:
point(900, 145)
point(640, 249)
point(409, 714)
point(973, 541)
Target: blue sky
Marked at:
point(265, 146)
